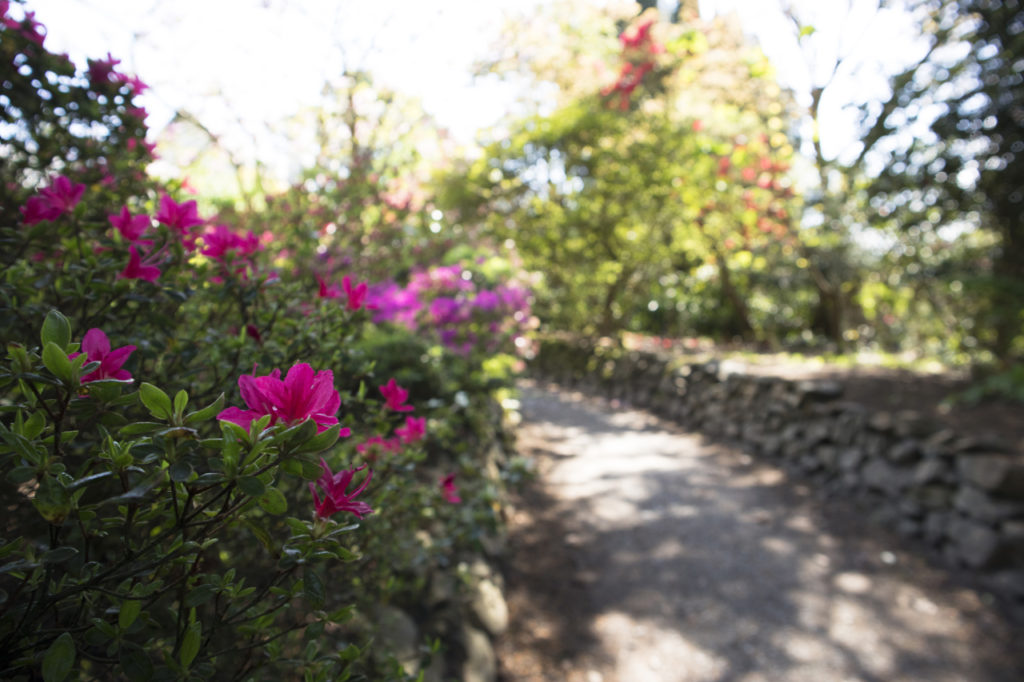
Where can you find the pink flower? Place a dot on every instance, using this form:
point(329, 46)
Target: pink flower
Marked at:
point(132, 82)
point(96, 346)
point(415, 428)
point(131, 227)
point(356, 295)
point(336, 498)
point(52, 202)
point(220, 241)
point(136, 269)
point(100, 69)
point(375, 446)
point(302, 395)
point(178, 217)
point(33, 31)
point(448, 490)
point(326, 290)
point(395, 395)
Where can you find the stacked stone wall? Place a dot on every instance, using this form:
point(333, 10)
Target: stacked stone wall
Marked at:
point(962, 496)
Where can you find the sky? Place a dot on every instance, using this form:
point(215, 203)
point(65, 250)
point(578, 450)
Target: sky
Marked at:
point(239, 63)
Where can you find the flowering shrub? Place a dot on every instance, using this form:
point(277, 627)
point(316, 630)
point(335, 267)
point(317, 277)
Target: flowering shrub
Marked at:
point(177, 503)
point(451, 301)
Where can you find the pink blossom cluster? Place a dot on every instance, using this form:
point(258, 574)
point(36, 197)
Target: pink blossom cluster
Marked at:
point(96, 347)
point(50, 203)
point(447, 300)
point(355, 294)
point(102, 71)
point(639, 49)
point(28, 27)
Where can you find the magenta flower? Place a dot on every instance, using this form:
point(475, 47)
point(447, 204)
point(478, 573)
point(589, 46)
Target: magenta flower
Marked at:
point(131, 227)
point(52, 202)
point(395, 396)
point(375, 446)
point(415, 428)
point(302, 395)
point(136, 269)
point(327, 291)
point(356, 294)
point(100, 69)
point(132, 82)
point(336, 498)
point(178, 217)
point(220, 241)
point(96, 346)
point(29, 27)
point(448, 490)
point(38, 209)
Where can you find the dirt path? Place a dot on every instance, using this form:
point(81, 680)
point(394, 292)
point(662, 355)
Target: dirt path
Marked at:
point(643, 553)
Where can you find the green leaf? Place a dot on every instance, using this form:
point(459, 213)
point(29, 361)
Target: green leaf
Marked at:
point(135, 662)
point(34, 425)
point(321, 441)
point(314, 588)
point(200, 595)
point(56, 360)
point(19, 475)
point(180, 402)
point(59, 555)
point(261, 534)
point(190, 643)
point(209, 411)
point(90, 479)
point(52, 500)
point(130, 609)
point(59, 658)
point(155, 400)
point(273, 501)
point(56, 329)
point(139, 428)
point(180, 471)
point(251, 485)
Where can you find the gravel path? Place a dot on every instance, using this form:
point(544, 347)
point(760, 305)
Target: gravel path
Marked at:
point(643, 553)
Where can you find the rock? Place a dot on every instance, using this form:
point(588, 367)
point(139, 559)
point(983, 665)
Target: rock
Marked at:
point(979, 444)
point(936, 525)
point(880, 475)
point(976, 545)
point(1012, 533)
point(930, 471)
point(881, 421)
point(909, 528)
point(829, 456)
point(978, 505)
point(481, 664)
point(488, 605)
point(905, 451)
point(911, 423)
point(1009, 582)
point(817, 432)
point(938, 443)
point(398, 636)
point(932, 496)
point(850, 459)
point(819, 390)
point(997, 473)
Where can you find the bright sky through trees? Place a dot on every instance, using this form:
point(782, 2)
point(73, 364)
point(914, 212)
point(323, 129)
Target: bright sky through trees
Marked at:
point(238, 64)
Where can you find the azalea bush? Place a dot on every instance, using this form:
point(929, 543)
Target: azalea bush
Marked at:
point(214, 462)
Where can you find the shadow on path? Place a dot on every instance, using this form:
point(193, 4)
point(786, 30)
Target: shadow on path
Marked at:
point(644, 553)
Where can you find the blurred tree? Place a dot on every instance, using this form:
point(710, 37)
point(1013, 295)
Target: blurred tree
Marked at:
point(961, 174)
point(673, 170)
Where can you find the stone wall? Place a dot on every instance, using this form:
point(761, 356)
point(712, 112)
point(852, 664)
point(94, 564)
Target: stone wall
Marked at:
point(962, 496)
